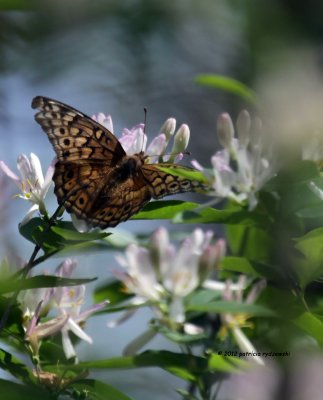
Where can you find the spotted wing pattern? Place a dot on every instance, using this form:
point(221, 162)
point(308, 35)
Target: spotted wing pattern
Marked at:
point(74, 135)
point(94, 178)
point(96, 193)
point(163, 184)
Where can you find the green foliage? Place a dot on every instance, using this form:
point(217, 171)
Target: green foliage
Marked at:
point(274, 248)
point(113, 291)
point(96, 390)
point(41, 281)
point(227, 84)
point(61, 236)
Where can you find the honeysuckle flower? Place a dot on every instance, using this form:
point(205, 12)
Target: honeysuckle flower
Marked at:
point(245, 163)
point(164, 275)
point(32, 183)
point(36, 331)
point(66, 302)
point(69, 304)
point(104, 120)
point(234, 322)
point(135, 140)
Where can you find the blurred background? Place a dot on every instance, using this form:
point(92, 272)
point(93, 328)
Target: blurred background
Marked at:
point(120, 56)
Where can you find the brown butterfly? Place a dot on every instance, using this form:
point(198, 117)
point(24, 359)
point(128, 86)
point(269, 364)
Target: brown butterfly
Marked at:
point(94, 177)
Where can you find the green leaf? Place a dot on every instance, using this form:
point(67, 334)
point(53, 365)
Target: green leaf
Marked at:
point(310, 324)
point(188, 212)
point(13, 324)
point(165, 209)
point(41, 281)
point(59, 236)
point(74, 235)
point(299, 172)
point(17, 5)
point(311, 246)
point(231, 307)
point(201, 296)
point(182, 338)
point(189, 173)
point(15, 367)
point(229, 364)
point(112, 291)
point(186, 395)
point(249, 242)
point(52, 350)
point(239, 264)
point(228, 84)
point(163, 359)
point(292, 187)
point(96, 390)
point(14, 391)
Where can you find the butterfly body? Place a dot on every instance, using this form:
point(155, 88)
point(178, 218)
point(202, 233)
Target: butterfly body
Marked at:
point(94, 177)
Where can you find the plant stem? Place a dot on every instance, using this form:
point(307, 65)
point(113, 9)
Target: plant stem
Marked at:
point(24, 272)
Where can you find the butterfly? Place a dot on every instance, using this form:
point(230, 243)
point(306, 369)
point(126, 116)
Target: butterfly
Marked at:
point(94, 177)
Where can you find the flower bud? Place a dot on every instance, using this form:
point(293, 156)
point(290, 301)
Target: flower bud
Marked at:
point(168, 128)
point(211, 258)
point(225, 130)
point(159, 244)
point(256, 132)
point(243, 128)
point(181, 140)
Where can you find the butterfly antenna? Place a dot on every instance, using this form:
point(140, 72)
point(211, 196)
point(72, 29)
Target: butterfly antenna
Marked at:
point(145, 119)
point(145, 122)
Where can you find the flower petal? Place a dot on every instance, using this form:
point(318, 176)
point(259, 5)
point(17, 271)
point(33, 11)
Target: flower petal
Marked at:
point(9, 173)
point(36, 170)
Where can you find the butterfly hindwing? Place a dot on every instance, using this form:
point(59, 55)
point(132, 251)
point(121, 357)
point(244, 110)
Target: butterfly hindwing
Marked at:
point(97, 195)
point(119, 202)
point(163, 184)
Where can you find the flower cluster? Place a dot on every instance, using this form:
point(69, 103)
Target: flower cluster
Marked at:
point(67, 301)
point(245, 163)
point(165, 275)
point(135, 140)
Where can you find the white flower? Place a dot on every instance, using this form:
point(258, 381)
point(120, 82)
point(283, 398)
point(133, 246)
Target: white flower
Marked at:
point(135, 140)
point(164, 274)
point(104, 120)
point(245, 163)
point(236, 321)
point(32, 183)
point(67, 301)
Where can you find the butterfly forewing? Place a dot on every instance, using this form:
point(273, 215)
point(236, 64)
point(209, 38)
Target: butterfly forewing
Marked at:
point(94, 178)
point(74, 135)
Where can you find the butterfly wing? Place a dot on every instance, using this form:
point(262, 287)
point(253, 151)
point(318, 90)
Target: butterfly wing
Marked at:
point(118, 203)
point(94, 178)
point(77, 185)
point(98, 196)
point(163, 184)
point(74, 135)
